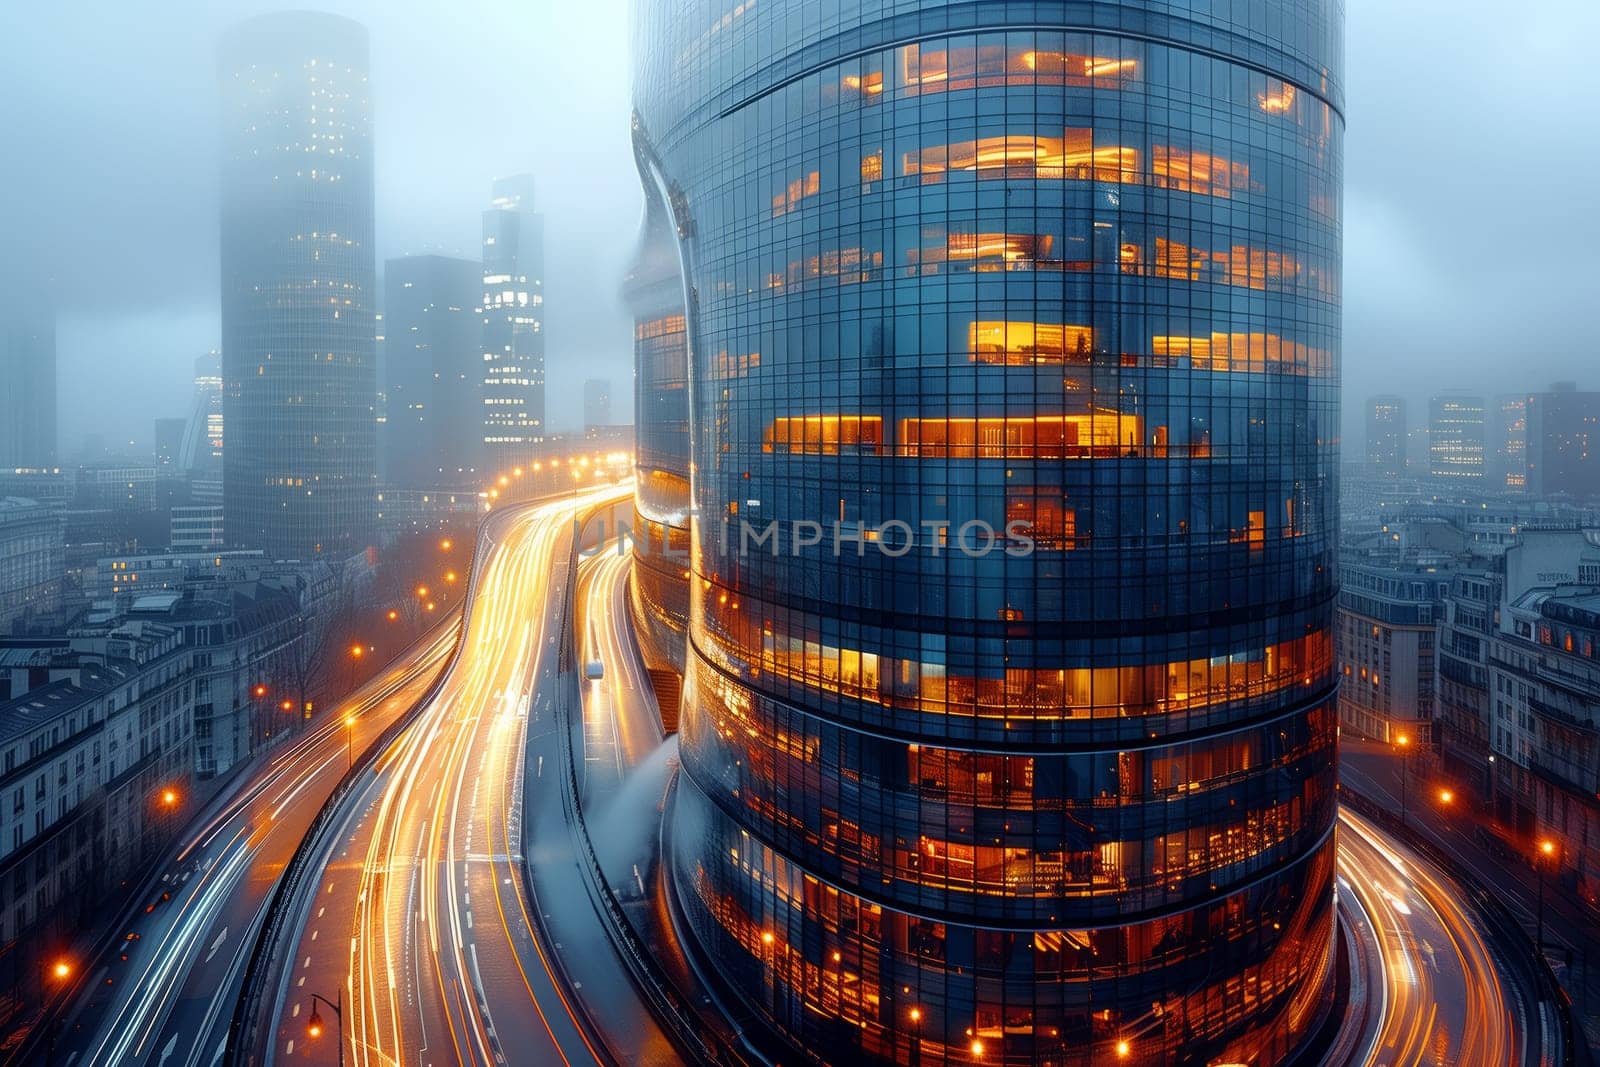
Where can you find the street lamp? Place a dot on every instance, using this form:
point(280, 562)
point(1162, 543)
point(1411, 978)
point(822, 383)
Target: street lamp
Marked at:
point(314, 1027)
point(1403, 743)
point(1446, 797)
point(1123, 1049)
point(1547, 849)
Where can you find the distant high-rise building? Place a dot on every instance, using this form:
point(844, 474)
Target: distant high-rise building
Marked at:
point(201, 452)
point(1564, 442)
point(432, 371)
point(1508, 451)
point(298, 279)
point(169, 442)
point(27, 393)
point(1456, 438)
point(1386, 435)
point(513, 323)
point(596, 402)
point(1030, 757)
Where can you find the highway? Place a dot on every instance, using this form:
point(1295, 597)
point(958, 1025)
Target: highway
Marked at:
point(1438, 992)
point(420, 926)
point(171, 1000)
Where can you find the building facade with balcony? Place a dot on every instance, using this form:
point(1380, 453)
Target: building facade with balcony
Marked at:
point(95, 727)
point(1012, 337)
point(1385, 645)
point(1544, 685)
point(32, 558)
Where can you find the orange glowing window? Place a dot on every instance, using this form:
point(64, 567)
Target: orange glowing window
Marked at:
point(938, 67)
point(872, 167)
point(1018, 343)
point(1045, 518)
point(869, 84)
point(1192, 171)
point(735, 365)
point(795, 192)
point(1278, 99)
point(1101, 434)
point(1243, 352)
point(651, 329)
point(1072, 155)
point(824, 435)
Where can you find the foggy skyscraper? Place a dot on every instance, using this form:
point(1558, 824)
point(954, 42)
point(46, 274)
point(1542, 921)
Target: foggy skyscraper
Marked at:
point(432, 371)
point(513, 323)
point(1386, 435)
point(27, 390)
point(299, 373)
point(1563, 442)
point(1064, 798)
point(1456, 438)
point(201, 453)
point(596, 402)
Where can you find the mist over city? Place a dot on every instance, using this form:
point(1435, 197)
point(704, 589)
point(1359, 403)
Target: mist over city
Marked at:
point(1051, 533)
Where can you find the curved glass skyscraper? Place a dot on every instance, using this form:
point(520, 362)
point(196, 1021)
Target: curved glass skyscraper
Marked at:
point(298, 286)
point(1013, 343)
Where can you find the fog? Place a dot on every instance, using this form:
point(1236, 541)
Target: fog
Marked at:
point(1471, 197)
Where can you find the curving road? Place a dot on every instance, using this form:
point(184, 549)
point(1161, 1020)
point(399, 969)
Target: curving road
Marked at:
point(1437, 991)
point(420, 926)
point(170, 1001)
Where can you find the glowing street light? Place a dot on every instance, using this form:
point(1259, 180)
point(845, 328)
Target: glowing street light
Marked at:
point(169, 797)
point(1123, 1050)
point(422, 591)
point(977, 1049)
point(393, 614)
point(1547, 849)
point(260, 691)
point(356, 651)
point(314, 1024)
point(446, 545)
point(61, 969)
point(287, 705)
point(1446, 796)
point(1403, 743)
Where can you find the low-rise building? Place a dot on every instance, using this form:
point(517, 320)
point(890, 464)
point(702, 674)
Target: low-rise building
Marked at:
point(1544, 684)
point(1384, 644)
point(32, 558)
point(1462, 708)
point(141, 573)
point(96, 730)
point(197, 528)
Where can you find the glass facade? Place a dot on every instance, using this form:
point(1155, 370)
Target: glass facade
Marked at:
point(660, 586)
point(298, 286)
point(1012, 336)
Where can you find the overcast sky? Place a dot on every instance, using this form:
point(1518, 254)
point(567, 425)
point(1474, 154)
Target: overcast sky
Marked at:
point(1472, 181)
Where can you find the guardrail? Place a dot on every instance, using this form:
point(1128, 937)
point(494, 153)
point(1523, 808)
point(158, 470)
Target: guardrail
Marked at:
point(245, 1038)
point(677, 1018)
point(1574, 1049)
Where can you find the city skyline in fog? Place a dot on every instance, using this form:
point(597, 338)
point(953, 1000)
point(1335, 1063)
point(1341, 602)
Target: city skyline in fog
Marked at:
point(1465, 250)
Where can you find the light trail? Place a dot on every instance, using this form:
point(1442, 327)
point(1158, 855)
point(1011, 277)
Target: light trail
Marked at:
point(177, 988)
point(439, 956)
point(1442, 996)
